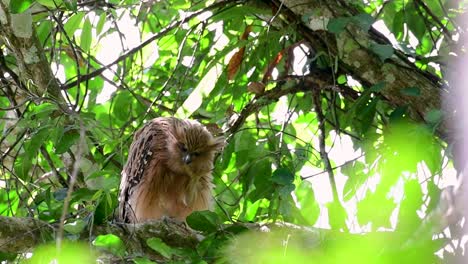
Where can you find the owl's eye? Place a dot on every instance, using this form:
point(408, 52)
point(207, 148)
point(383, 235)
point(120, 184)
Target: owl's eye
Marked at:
point(196, 154)
point(183, 147)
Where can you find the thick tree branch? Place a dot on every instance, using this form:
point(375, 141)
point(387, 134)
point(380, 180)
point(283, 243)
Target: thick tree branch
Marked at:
point(23, 234)
point(18, 33)
point(20, 235)
point(352, 47)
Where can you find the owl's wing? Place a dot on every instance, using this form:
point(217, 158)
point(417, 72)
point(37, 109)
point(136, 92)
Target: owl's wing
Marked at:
point(139, 156)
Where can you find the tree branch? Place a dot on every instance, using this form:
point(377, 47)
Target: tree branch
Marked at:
point(355, 57)
point(314, 81)
point(18, 33)
point(18, 235)
point(158, 35)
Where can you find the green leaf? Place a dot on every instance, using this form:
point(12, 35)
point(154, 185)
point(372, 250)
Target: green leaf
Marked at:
point(122, 105)
point(101, 22)
point(19, 6)
point(51, 3)
point(398, 113)
point(377, 87)
point(73, 23)
point(70, 252)
point(337, 25)
point(22, 166)
point(251, 210)
point(7, 257)
point(384, 51)
point(356, 177)
point(285, 191)
point(282, 176)
point(159, 246)
point(236, 229)
point(415, 23)
point(71, 5)
point(398, 24)
point(310, 209)
point(367, 115)
point(111, 243)
point(143, 261)
point(75, 227)
point(43, 30)
point(68, 139)
point(44, 110)
point(86, 36)
point(410, 204)
point(84, 194)
point(342, 79)
point(36, 141)
point(260, 172)
point(364, 21)
point(205, 221)
point(102, 180)
point(60, 194)
point(411, 91)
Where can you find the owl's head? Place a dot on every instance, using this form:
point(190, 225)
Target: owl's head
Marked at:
point(194, 147)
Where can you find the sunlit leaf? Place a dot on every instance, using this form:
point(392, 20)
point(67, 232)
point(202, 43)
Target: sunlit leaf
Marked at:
point(159, 246)
point(19, 6)
point(75, 227)
point(341, 79)
point(102, 180)
point(86, 35)
point(50, 3)
point(111, 243)
point(310, 209)
point(356, 177)
point(101, 22)
point(143, 261)
point(73, 23)
point(69, 253)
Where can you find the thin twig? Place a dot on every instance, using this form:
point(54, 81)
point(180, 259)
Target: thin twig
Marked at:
point(322, 136)
point(158, 35)
point(76, 168)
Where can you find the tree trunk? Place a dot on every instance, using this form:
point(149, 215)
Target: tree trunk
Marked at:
point(352, 50)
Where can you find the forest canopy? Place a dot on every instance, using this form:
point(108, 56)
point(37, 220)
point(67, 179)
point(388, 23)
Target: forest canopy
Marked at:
point(343, 129)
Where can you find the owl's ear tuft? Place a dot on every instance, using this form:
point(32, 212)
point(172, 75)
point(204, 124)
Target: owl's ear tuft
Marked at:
point(218, 144)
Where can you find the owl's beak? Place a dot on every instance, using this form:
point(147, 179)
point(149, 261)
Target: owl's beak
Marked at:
point(187, 158)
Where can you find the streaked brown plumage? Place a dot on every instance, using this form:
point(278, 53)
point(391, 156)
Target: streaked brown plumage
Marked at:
point(168, 171)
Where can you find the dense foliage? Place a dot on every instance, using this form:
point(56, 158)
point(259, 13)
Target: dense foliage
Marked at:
point(312, 139)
